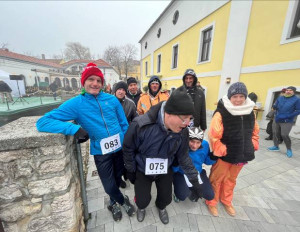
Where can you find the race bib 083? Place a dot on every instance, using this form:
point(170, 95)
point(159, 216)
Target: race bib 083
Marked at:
point(110, 144)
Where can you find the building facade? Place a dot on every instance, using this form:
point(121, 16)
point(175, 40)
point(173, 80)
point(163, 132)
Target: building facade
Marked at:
point(256, 42)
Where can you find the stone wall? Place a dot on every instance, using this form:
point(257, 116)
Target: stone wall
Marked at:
point(39, 180)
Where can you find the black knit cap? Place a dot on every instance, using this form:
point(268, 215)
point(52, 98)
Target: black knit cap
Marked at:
point(292, 88)
point(121, 85)
point(180, 103)
point(131, 80)
point(237, 88)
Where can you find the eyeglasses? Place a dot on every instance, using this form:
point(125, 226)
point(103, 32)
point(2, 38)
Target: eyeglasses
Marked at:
point(185, 121)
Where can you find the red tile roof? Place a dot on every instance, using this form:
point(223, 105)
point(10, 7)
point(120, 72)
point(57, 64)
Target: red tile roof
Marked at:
point(100, 63)
point(12, 55)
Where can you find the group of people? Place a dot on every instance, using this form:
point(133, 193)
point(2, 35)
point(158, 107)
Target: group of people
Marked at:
point(153, 137)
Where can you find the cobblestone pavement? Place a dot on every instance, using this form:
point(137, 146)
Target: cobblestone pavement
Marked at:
point(267, 198)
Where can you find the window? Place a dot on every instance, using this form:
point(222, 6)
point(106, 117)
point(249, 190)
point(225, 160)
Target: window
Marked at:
point(295, 32)
point(158, 63)
point(158, 32)
point(146, 68)
point(146, 45)
point(206, 43)
point(175, 56)
point(175, 17)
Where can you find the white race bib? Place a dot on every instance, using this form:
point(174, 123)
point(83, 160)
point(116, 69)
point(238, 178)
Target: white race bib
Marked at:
point(110, 144)
point(156, 166)
point(189, 184)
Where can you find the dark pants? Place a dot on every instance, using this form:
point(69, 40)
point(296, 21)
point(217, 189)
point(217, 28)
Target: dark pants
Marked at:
point(182, 191)
point(110, 169)
point(283, 130)
point(142, 188)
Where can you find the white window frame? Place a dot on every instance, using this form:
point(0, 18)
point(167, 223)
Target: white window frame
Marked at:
point(288, 24)
point(146, 68)
point(212, 25)
point(158, 63)
point(172, 63)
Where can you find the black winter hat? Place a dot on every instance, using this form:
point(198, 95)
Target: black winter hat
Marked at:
point(121, 85)
point(180, 103)
point(131, 80)
point(292, 88)
point(237, 88)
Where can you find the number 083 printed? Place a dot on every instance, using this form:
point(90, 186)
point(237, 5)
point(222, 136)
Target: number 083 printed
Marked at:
point(110, 144)
point(156, 166)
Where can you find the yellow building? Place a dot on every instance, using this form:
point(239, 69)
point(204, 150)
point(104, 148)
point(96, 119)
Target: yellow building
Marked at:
point(256, 42)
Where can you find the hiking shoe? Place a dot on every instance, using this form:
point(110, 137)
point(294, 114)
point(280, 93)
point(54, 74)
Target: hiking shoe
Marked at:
point(140, 214)
point(123, 184)
point(269, 138)
point(193, 197)
point(116, 212)
point(230, 210)
point(213, 210)
point(129, 208)
point(274, 148)
point(163, 215)
point(289, 153)
point(175, 198)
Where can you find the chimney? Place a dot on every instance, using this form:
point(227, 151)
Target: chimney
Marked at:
point(43, 56)
point(6, 49)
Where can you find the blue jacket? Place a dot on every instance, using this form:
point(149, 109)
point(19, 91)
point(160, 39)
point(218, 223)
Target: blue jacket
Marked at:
point(286, 108)
point(147, 137)
point(199, 157)
point(101, 116)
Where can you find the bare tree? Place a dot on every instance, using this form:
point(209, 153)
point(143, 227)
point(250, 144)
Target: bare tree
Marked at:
point(129, 52)
point(112, 55)
point(75, 50)
point(4, 46)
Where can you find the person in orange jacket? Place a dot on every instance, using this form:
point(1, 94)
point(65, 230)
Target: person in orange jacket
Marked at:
point(233, 137)
point(152, 97)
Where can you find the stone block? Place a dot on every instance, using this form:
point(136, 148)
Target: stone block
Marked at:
point(56, 184)
point(53, 166)
point(19, 210)
point(10, 192)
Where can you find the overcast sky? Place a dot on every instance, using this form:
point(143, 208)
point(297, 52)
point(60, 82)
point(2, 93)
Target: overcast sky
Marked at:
point(40, 27)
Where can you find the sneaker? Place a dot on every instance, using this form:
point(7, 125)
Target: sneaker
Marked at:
point(123, 184)
point(193, 197)
point(213, 210)
point(274, 148)
point(140, 214)
point(116, 212)
point(269, 138)
point(230, 210)
point(129, 208)
point(289, 153)
point(175, 198)
point(163, 215)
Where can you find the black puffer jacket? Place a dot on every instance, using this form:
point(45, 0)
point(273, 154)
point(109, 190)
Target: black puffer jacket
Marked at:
point(129, 109)
point(148, 138)
point(135, 98)
point(237, 135)
point(4, 87)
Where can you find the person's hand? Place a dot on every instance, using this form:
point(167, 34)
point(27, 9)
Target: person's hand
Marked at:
point(196, 188)
point(81, 135)
point(131, 176)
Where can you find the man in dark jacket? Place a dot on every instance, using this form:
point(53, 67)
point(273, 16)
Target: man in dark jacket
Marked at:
point(189, 81)
point(150, 146)
point(287, 108)
point(133, 92)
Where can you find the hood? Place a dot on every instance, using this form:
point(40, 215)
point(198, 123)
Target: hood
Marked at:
point(151, 79)
point(190, 72)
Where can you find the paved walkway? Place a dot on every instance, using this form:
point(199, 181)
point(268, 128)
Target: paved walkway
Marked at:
point(267, 198)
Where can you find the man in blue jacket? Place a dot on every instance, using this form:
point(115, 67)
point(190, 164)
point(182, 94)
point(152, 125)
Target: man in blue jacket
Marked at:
point(101, 118)
point(152, 143)
point(287, 108)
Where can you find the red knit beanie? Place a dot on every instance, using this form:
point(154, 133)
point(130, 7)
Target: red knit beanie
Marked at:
point(89, 70)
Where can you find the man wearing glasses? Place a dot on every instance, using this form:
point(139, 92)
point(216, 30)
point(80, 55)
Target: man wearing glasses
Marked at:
point(151, 144)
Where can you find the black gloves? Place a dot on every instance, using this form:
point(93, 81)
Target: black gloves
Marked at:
point(131, 176)
point(81, 135)
point(212, 156)
point(196, 188)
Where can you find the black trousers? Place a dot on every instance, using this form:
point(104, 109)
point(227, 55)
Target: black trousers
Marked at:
point(142, 188)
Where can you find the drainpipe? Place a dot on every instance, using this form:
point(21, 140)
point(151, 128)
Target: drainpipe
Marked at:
point(82, 182)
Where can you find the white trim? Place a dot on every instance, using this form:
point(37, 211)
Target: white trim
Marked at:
point(211, 25)
point(157, 63)
point(272, 67)
point(172, 64)
point(288, 24)
point(210, 74)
